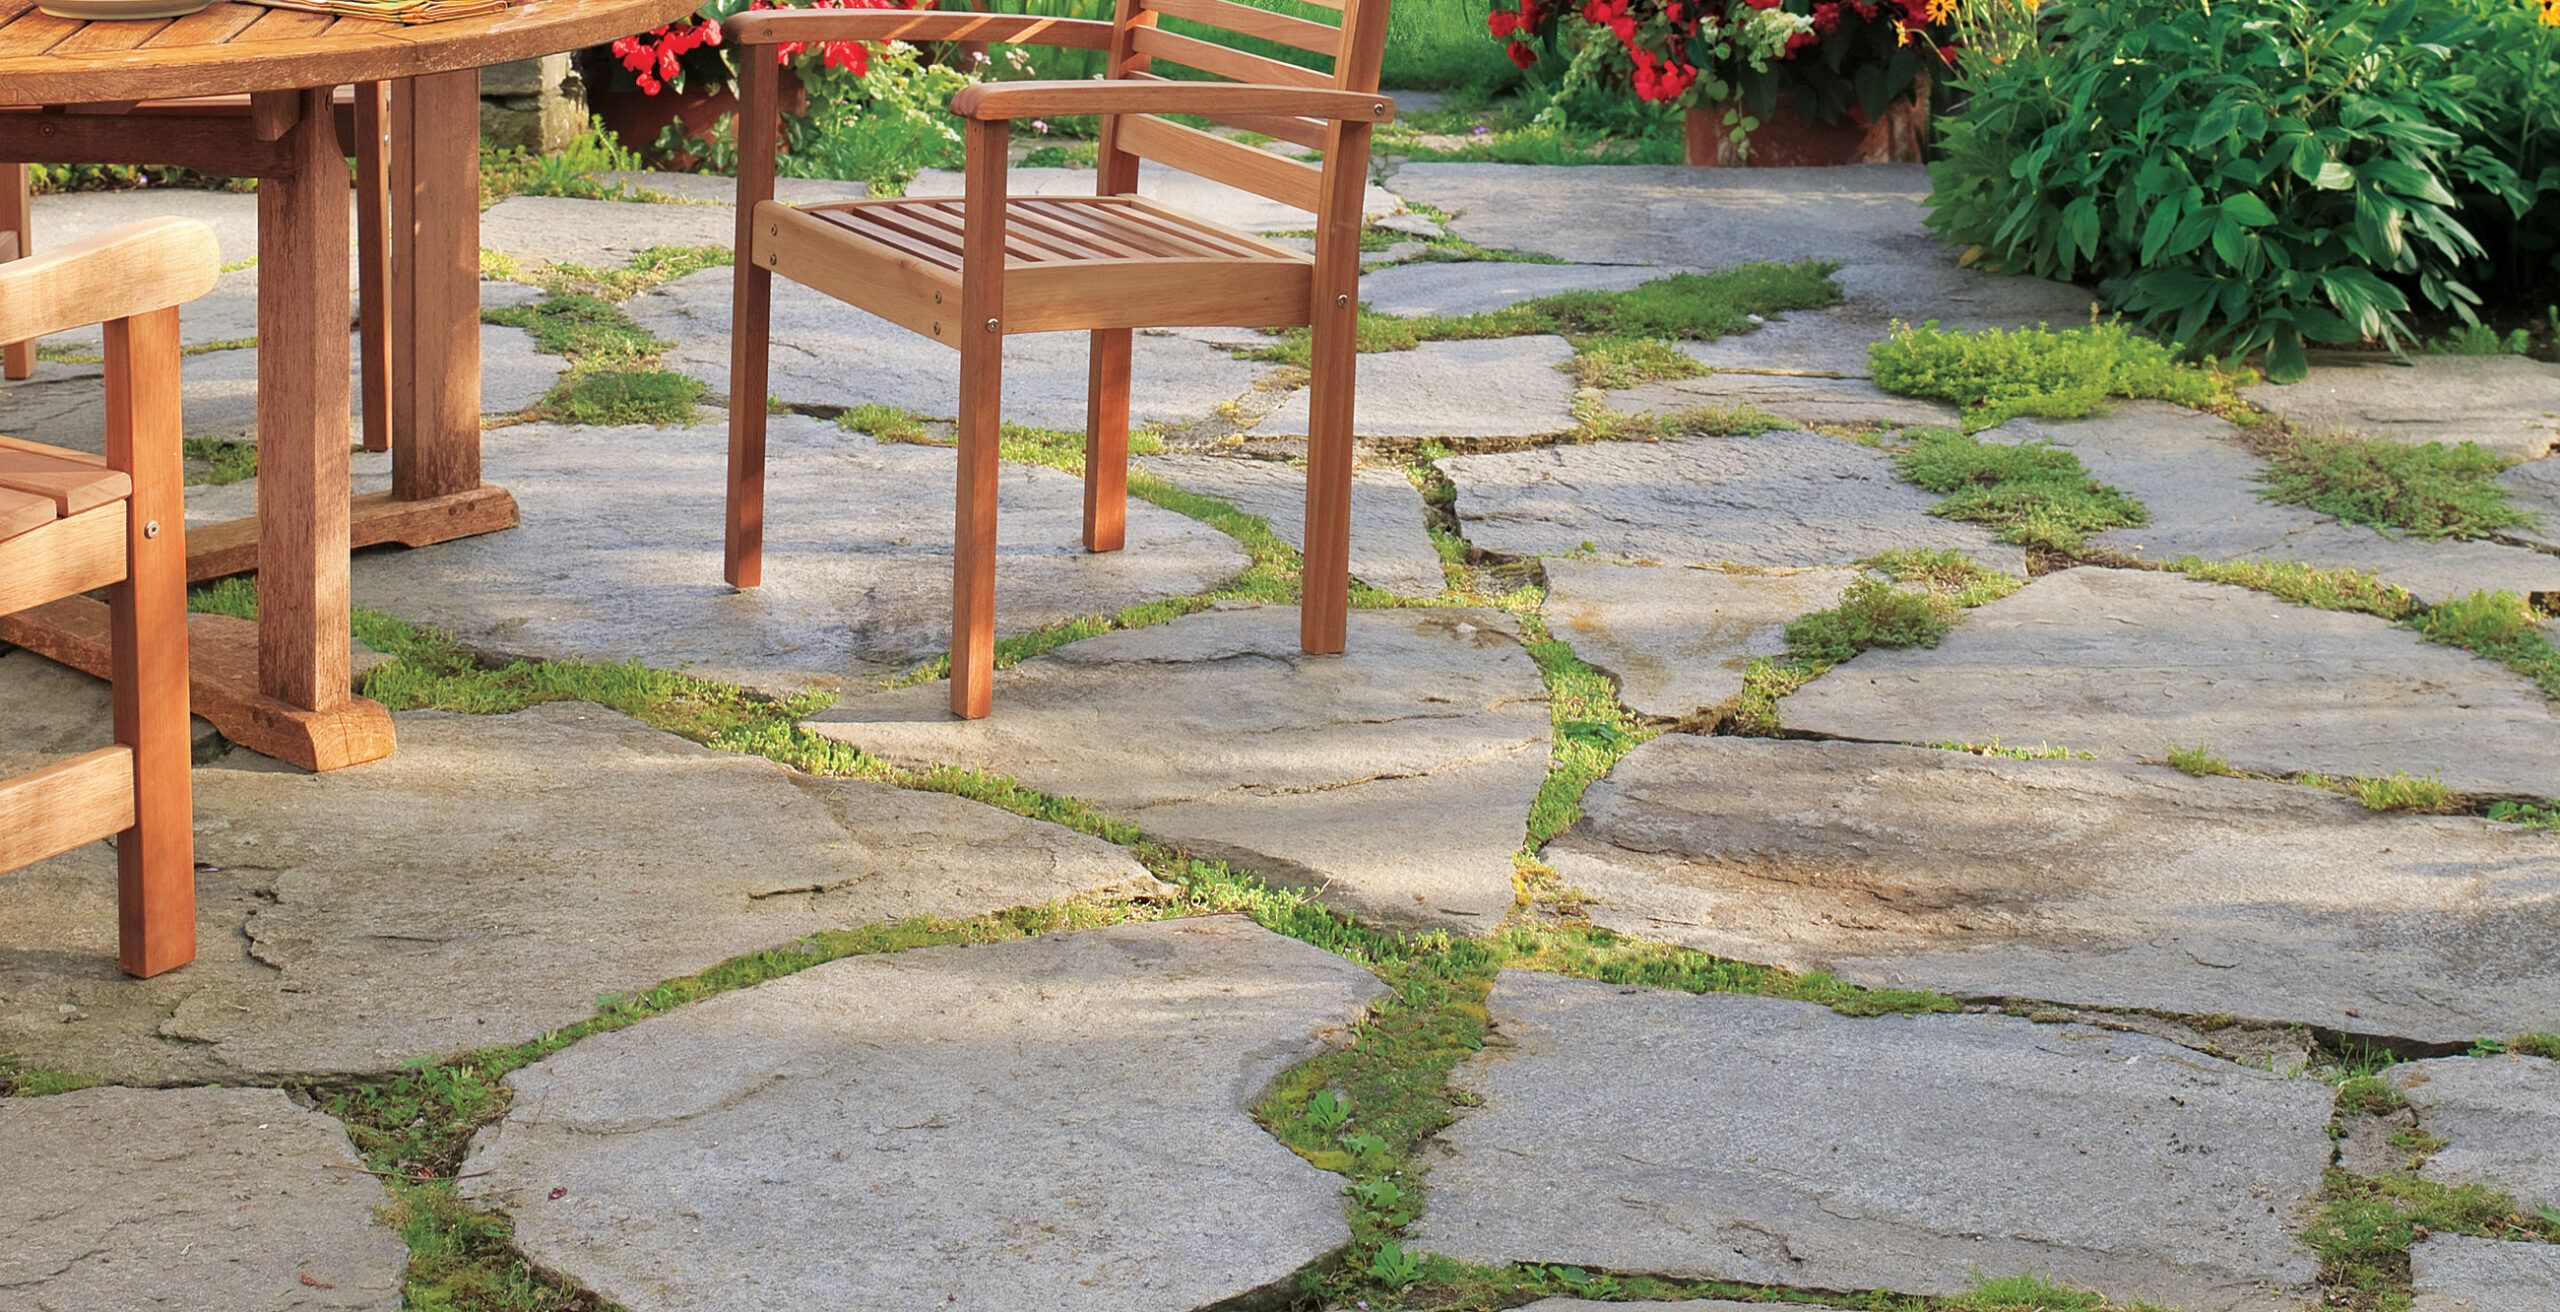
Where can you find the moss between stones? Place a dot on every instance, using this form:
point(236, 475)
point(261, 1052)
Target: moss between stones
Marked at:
point(1997, 374)
point(1937, 587)
point(2033, 494)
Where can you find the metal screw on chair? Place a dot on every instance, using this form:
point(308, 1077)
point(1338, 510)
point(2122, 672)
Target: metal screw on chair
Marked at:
point(1341, 301)
point(152, 529)
point(991, 325)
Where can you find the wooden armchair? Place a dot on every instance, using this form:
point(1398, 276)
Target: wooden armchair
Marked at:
point(71, 522)
point(970, 270)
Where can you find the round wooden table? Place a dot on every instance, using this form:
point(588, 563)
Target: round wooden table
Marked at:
point(74, 91)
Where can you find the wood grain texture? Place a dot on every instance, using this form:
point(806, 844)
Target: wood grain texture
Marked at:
point(973, 561)
point(147, 625)
point(371, 128)
point(750, 324)
point(374, 519)
point(131, 270)
point(216, 52)
point(48, 812)
point(22, 511)
point(1106, 441)
point(303, 475)
point(436, 204)
point(61, 558)
point(1246, 20)
point(770, 26)
point(17, 236)
point(72, 485)
point(1062, 99)
point(1222, 159)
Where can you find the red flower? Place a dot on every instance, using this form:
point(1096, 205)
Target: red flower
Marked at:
point(1522, 54)
point(1502, 22)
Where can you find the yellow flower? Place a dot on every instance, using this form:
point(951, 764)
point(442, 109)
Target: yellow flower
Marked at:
point(1901, 34)
point(1942, 10)
point(2551, 13)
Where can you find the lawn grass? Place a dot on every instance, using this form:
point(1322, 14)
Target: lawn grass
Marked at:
point(2032, 493)
point(1998, 374)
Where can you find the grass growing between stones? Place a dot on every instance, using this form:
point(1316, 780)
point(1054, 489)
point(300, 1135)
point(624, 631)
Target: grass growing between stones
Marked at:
point(2200, 763)
point(613, 376)
point(220, 461)
point(1615, 362)
point(2430, 491)
point(2367, 1224)
point(18, 1080)
point(1997, 374)
point(1684, 306)
point(2305, 585)
point(1592, 730)
point(1929, 592)
point(2033, 494)
point(2497, 626)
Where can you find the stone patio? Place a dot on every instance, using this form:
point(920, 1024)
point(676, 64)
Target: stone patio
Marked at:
point(1036, 1079)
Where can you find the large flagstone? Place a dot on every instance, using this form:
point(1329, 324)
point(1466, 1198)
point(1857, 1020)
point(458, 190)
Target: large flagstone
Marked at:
point(1679, 640)
point(619, 555)
point(2457, 1273)
point(2499, 1117)
point(121, 1200)
point(1062, 1123)
point(2507, 403)
point(490, 881)
point(1498, 388)
point(1394, 779)
point(1389, 547)
point(1782, 499)
point(1742, 1138)
point(2079, 882)
point(2130, 664)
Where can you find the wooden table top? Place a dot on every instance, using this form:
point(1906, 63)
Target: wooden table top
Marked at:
point(235, 47)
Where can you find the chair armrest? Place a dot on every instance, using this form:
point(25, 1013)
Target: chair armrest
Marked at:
point(1003, 100)
point(132, 270)
point(774, 26)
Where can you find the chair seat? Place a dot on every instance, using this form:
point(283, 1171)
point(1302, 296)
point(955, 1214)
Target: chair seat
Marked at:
point(62, 524)
point(39, 484)
point(1071, 262)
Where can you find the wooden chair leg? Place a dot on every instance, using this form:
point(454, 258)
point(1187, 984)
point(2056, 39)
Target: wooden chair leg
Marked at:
point(155, 859)
point(1106, 443)
point(1325, 585)
point(749, 377)
point(973, 557)
point(373, 258)
point(17, 359)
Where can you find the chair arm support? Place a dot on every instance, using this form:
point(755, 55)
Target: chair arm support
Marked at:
point(1003, 100)
point(132, 270)
point(774, 26)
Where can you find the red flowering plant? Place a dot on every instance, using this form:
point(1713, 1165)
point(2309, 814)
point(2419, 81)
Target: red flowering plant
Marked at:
point(1828, 59)
point(690, 52)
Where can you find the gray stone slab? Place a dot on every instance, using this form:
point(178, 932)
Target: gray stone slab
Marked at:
point(2130, 664)
point(1742, 1138)
point(128, 1199)
point(1473, 287)
point(1678, 639)
point(1190, 193)
point(1815, 343)
point(2507, 403)
point(55, 712)
point(211, 503)
point(618, 555)
point(2499, 1118)
point(1396, 778)
point(599, 233)
point(228, 313)
point(2202, 491)
point(218, 393)
point(1877, 293)
point(2535, 486)
point(827, 353)
point(1040, 1123)
point(1389, 548)
point(488, 882)
point(2078, 882)
point(1798, 398)
point(65, 217)
point(1683, 217)
point(2458, 1273)
point(718, 189)
point(1503, 387)
point(1783, 499)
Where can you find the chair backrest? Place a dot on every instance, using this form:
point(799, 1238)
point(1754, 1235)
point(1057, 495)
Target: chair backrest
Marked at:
point(1354, 46)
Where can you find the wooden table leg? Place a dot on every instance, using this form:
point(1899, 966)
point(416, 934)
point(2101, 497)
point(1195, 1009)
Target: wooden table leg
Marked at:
point(373, 255)
point(17, 359)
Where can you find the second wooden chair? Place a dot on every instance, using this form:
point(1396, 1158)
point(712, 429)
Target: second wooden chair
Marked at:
point(973, 269)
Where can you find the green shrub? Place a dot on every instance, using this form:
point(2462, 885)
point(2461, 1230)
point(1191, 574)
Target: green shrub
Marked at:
point(2429, 491)
point(2240, 175)
point(1997, 375)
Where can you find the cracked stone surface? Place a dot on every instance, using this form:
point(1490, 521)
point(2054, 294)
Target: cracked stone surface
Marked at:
point(2535, 486)
point(54, 712)
point(1475, 286)
point(1782, 499)
point(2093, 884)
point(1679, 639)
point(604, 234)
point(1389, 548)
point(2458, 1273)
point(2201, 488)
point(486, 883)
point(1671, 215)
point(218, 393)
point(827, 353)
point(122, 1200)
point(1502, 387)
point(2499, 1117)
point(1742, 1138)
point(2507, 403)
point(1394, 777)
point(2130, 664)
point(1873, 295)
point(1033, 1124)
point(211, 503)
point(618, 555)
point(1801, 399)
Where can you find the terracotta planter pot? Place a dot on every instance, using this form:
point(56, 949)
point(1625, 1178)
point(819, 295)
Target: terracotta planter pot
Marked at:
point(637, 118)
point(1785, 140)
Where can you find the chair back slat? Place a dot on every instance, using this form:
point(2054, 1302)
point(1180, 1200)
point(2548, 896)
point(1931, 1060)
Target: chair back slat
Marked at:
point(1355, 48)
